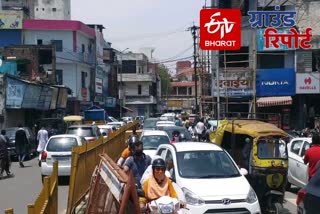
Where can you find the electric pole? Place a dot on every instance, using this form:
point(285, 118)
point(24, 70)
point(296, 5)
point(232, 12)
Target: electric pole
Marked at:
point(194, 30)
point(215, 70)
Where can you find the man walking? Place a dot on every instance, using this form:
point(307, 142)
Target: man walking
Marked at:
point(21, 144)
point(4, 156)
point(312, 155)
point(42, 138)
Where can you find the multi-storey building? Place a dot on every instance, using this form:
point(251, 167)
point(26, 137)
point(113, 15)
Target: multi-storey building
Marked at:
point(139, 84)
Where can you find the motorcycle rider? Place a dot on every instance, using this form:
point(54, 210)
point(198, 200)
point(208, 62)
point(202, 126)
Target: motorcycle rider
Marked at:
point(138, 162)
point(158, 184)
point(127, 152)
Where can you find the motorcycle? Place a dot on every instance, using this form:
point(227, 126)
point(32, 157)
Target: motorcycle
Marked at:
point(165, 205)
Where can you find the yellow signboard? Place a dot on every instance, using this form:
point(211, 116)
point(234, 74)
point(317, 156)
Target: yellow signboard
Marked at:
point(174, 103)
point(11, 19)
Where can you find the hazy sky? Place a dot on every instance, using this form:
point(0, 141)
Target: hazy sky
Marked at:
point(136, 24)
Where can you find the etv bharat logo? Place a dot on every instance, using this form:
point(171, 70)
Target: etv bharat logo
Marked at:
point(220, 29)
point(225, 26)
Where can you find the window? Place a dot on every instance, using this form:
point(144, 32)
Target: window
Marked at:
point(296, 146)
point(153, 141)
point(305, 147)
point(169, 164)
point(139, 89)
point(42, 9)
point(129, 66)
point(58, 45)
point(54, 9)
point(83, 79)
point(59, 77)
point(83, 48)
point(39, 41)
point(37, 9)
point(161, 152)
point(64, 144)
point(189, 91)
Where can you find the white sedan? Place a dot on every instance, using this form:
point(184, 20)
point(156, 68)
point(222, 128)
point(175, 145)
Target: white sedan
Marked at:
point(164, 123)
point(298, 171)
point(209, 178)
point(152, 139)
point(59, 149)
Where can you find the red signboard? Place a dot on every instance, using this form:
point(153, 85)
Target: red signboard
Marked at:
point(220, 29)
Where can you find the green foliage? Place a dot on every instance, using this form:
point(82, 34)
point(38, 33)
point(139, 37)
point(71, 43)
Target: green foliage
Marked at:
point(165, 80)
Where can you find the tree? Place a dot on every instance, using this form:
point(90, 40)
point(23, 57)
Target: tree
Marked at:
point(165, 80)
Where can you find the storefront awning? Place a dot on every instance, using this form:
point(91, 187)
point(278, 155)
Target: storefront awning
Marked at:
point(274, 101)
point(126, 108)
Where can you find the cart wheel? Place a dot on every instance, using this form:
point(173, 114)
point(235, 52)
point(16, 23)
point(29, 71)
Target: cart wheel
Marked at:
point(276, 208)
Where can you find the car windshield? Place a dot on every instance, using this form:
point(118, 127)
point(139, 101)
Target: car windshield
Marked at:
point(61, 144)
point(153, 141)
point(81, 131)
point(150, 124)
point(272, 148)
point(206, 164)
point(184, 132)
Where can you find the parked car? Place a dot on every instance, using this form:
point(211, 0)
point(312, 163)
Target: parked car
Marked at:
point(210, 179)
point(152, 139)
point(117, 125)
point(178, 129)
point(89, 132)
point(150, 123)
point(32, 146)
point(298, 170)
point(112, 119)
point(59, 148)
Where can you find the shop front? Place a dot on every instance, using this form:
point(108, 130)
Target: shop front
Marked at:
point(274, 90)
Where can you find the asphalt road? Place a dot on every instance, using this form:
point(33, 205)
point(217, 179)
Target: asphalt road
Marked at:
point(23, 189)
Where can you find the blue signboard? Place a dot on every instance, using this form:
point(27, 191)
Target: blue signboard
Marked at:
point(14, 93)
point(261, 46)
point(275, 82)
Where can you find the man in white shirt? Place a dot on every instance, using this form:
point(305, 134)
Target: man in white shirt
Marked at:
point(42, 139)
point(200, 128)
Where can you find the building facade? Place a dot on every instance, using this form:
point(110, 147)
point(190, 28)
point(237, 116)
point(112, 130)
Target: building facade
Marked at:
point(139, 91)
point(52, 9)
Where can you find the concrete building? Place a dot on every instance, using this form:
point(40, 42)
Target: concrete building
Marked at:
point(75, 55)
point(139, 82)
point(26, 7)
point(52, 9)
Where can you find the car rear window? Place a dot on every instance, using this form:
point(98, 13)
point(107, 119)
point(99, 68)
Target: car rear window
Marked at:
point(81, 131)
point(63, 144)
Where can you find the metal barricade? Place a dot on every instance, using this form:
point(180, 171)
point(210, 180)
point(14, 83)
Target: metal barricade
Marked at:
point(86, 157)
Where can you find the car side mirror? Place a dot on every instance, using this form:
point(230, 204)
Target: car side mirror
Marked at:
point(243, 171)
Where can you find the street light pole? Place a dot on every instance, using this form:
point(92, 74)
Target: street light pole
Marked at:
point(121, 83)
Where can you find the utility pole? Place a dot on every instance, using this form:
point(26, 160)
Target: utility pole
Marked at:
point(194, 30)
point(215, 70)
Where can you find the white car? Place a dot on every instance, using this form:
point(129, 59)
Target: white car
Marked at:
point(58, 148)
point(117, 125)
point(298, 171)
point(210, 179)
point(164, 123)
point(105, 130)
point(152, 139)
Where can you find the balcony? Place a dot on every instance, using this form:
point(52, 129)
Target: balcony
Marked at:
point(137, 77)
point(140, 100)
point(74, 57)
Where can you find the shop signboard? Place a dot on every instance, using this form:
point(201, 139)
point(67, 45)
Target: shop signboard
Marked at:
point(98, 86)
point(307, 83)
point(110, 102)
point(235, 83)
point(275, 82)
point(15, 90)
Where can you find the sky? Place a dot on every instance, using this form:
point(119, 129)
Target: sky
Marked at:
point(135, 24)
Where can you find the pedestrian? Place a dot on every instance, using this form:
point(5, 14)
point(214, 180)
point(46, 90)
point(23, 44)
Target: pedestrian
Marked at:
point(21, 144)
point(42, 138)
point(4, 156)
point(200, 129)
point(312, 155)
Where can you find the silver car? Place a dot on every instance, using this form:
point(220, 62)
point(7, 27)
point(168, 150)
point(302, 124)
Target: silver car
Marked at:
point(59, 148)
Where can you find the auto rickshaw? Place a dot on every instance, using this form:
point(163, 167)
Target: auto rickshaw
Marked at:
point(267, 163)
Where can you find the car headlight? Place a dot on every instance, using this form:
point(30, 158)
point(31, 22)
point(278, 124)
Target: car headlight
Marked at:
point(192, 198)
point(251, 197)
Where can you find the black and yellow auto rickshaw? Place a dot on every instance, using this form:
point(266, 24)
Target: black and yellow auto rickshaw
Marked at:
point(267, 162)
